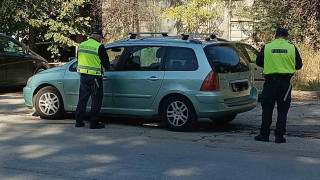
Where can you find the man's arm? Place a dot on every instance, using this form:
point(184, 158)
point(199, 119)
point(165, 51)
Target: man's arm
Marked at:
point(260, 58)
point(104, 58)
point(298, 59)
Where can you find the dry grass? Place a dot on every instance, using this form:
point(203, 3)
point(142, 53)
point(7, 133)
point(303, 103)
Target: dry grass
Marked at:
point(311, 64)
point(308, 78)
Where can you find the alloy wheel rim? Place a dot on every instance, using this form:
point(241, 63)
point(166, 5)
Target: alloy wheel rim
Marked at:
point(49, 103)
point(177, 113)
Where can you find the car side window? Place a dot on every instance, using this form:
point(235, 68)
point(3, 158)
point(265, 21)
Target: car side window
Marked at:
point(252, 53)
point(73, 67)
point(9, 46)
point(181, 59)
point(144, 59)
point(114, 54)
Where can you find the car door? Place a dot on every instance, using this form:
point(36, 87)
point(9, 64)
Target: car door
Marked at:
point(139, 79)
point(18, 69)
point(3, 66)
point(114, 54)
point(257, 71)
point(71, 84)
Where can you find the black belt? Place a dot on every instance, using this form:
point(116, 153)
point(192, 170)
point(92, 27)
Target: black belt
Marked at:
point(278, 76)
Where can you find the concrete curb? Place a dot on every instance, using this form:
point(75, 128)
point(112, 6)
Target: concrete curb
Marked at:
point(308, 95)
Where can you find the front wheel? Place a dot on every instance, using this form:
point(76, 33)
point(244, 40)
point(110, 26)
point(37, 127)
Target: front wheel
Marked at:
point(178, 113)
point(224, 120)
point(49, 104)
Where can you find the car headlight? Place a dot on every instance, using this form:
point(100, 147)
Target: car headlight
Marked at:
point(29, 80)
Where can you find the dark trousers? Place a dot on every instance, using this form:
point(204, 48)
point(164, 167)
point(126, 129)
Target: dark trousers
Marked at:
point(274, 90)
point(88, 87)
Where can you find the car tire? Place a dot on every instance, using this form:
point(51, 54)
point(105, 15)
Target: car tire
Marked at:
point(224, 120)
point(178, 113)
point(49, 103)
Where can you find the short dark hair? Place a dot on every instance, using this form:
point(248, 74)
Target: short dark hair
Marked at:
point(98, 32)
point(282, 32)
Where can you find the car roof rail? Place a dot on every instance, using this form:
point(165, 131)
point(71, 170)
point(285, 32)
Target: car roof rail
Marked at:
point(206, 36)
point(134, 35)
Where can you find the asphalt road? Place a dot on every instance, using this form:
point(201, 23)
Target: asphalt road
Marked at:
point(32, 148)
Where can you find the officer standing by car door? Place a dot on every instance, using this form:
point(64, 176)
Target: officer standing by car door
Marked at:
point(280, 59)
point(93, 60)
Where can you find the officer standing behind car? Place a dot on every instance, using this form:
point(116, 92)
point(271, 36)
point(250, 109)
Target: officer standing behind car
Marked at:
point(280, 60)
point(93, 60)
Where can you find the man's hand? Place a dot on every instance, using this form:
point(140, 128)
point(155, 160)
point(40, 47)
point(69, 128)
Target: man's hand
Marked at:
point(294, 79)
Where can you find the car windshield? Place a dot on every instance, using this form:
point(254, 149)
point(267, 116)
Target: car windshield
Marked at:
point(226, 59)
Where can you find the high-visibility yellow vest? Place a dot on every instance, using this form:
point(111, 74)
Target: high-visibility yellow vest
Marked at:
point(279, 57)
point(88, 58)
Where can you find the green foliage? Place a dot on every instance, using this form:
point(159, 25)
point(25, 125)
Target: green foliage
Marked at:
point(11, 18)
point(302, 18)
point(193, 13)
point(46, 20)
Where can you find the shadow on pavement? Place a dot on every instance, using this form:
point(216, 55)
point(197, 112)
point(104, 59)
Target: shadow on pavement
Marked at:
point(14, 89)
point(199, 126)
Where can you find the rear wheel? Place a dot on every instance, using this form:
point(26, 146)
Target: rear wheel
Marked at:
point(49, 104)
point(178, 113)
point(224, 120)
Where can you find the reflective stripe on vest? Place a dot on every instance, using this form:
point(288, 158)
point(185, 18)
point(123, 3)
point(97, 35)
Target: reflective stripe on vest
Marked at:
point(88, 58)
point(88, 52)
point(279, 57)
point(89, 70)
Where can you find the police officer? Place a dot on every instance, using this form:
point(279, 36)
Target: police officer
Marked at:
point(93, 60)
point(280, 59)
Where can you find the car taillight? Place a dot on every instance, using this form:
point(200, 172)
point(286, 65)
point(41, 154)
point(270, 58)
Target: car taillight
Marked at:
point(211, 83)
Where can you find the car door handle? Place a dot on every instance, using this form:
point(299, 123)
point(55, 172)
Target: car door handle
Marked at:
point(153, 78)
point(105, 78)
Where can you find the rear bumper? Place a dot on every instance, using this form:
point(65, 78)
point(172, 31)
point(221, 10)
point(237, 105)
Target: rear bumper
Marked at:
point(27, 95)
point(213, 105)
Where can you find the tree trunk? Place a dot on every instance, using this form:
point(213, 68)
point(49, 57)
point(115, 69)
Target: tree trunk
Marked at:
point(96, 14)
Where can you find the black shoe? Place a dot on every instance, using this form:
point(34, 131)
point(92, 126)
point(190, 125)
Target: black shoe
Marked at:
point(80, 124)
point(97, 126)
point(280, 139)
point(263, 138)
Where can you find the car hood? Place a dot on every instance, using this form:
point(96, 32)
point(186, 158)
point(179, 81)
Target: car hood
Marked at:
point(38, 56)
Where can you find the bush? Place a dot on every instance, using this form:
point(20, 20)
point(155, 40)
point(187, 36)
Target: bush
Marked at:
point(309, 73)
point(307, 86)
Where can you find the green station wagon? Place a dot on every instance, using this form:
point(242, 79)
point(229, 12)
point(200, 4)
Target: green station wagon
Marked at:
point(179, 78)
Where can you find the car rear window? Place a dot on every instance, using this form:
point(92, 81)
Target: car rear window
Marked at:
point(226, 59)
